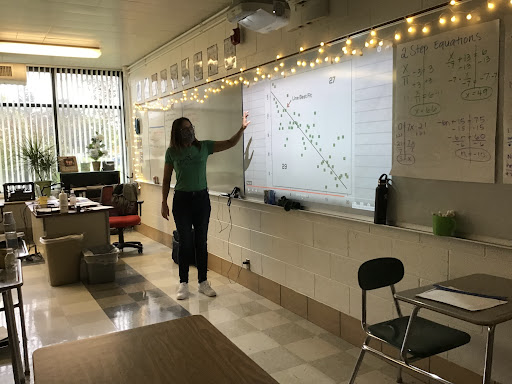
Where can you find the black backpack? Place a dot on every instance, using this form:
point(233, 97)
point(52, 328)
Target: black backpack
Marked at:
point(176, 248)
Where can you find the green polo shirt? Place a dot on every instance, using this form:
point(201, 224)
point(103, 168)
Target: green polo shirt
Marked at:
point(190, 166)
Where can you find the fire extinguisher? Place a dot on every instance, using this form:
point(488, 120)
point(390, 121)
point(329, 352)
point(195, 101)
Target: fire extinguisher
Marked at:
point(381, 200)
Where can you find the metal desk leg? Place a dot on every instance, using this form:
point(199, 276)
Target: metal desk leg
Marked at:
point(23, 331)
point(17, 366)
point(488, 354)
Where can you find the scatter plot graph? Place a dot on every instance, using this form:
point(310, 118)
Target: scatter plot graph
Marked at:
point(311, 122)
point(322, 136)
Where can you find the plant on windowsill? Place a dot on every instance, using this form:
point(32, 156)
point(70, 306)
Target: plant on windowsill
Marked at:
point(41, 160)
point(97, 150)
point(443, 224)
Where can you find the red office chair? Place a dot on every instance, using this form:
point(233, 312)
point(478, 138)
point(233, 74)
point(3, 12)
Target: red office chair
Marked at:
point(121, 221)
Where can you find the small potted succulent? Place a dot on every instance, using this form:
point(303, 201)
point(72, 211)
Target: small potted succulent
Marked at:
point(444, 224)
point(97, 150)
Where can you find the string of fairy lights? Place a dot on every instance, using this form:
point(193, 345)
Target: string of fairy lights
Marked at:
point(450, 15)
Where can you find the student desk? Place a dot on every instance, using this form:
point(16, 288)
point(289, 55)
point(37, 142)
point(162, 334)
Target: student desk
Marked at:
point(186, 351)
point(93, 223)
point(485, 284)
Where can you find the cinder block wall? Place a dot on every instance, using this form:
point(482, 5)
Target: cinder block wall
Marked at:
point(317, 256)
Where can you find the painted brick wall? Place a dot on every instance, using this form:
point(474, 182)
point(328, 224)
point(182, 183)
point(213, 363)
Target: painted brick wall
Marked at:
point(319, 255)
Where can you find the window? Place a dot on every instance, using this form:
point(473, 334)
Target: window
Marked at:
point(25, 111)
point(89, 103)
point(63, 108)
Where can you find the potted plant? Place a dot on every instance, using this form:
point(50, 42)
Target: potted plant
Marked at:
point(41, 160)
point(443, 224)
point(97, 150)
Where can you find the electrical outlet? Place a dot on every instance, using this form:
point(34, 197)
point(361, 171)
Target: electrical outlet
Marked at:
point(247, 264)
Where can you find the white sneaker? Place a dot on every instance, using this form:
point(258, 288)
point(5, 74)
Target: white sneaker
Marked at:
point(206, 289)
point(183, 291)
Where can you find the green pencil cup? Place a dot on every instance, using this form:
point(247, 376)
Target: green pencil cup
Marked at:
point(443, 226)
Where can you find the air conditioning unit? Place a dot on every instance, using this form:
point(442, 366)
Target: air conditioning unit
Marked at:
point(262, 16)
point(13, 73)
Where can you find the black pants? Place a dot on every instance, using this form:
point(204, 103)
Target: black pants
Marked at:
point(192, 209)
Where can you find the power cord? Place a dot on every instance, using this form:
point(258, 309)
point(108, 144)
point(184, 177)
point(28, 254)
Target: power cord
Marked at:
point(235, 193)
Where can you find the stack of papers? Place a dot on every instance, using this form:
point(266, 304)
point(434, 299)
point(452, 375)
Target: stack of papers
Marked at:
point(469, 302)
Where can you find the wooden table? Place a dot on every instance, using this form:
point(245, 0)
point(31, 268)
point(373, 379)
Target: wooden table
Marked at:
point(478, 283)
point(185, 351)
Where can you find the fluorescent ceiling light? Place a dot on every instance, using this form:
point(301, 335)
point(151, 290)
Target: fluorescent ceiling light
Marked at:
point(48, 50)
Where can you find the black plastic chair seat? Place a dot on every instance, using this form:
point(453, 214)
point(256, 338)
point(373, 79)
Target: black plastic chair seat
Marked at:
point(426, 337)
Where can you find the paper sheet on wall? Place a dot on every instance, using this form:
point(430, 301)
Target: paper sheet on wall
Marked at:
point(507, 104)
point(157, 145)
point(446, 93)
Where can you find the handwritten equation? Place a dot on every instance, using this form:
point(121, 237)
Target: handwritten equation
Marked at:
point(468, 136)
point(446, 105)
point(406, 134)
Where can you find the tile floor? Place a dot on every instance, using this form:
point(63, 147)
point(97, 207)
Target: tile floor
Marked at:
point(290, 348)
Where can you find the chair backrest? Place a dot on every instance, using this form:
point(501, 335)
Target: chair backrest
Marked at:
point(378, 273)
point(106, 198)
point(124, 199)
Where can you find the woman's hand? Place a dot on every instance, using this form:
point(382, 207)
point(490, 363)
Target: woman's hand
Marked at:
point(165, 210)
point(245, 122)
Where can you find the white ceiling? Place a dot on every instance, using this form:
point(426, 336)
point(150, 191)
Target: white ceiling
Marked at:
point(125, 30)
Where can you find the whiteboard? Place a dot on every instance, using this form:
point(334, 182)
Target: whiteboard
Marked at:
point(218, 118)
point(445, 108)
point(507, 110)
point(323, 133)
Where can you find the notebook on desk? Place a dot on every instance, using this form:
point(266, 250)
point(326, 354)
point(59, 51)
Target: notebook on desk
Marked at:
point(460, 300)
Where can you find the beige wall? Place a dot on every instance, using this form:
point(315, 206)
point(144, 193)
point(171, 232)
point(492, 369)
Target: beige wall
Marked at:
point(318, 255)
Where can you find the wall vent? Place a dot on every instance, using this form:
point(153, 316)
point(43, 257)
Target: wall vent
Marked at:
point(13, 74)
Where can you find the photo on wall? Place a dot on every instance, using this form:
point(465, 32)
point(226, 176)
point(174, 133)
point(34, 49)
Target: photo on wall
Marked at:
point(229, 54)
point(212, 54)
point(198, 66)
point(146, 88)
point(139, 91)
point(154, 84)
point(174, 76)
point(163, 81)
point(185, 71)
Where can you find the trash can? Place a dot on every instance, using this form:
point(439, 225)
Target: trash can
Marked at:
point(99, 264)
point(63, 258)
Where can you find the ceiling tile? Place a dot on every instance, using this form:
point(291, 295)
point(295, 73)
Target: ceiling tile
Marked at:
point(125, 30)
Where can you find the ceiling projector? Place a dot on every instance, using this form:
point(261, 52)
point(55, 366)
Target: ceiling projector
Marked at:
point(261, 16)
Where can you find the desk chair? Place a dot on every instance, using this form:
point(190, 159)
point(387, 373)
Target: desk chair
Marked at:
point(122, 221)
point(414, 337)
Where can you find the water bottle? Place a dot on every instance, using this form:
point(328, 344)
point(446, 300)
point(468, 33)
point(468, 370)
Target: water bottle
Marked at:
point(10, 260)
point(63, 202)
point(381, 200)
point(11, 238)
point(72, 199)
